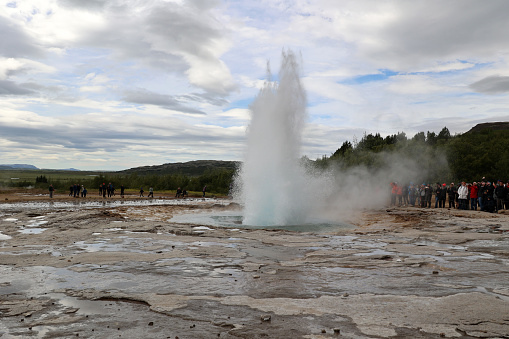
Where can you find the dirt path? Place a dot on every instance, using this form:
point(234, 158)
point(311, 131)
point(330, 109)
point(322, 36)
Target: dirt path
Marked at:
point(127, 271)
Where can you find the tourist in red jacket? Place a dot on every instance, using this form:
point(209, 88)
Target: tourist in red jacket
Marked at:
point(473, 196)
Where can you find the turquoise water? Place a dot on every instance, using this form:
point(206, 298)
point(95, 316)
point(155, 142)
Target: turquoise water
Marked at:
point(234, 220)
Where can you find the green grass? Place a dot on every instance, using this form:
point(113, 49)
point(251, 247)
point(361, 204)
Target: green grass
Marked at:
point(8, 176)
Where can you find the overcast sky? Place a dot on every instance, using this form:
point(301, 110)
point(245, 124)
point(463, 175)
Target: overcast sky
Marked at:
point(114, 84)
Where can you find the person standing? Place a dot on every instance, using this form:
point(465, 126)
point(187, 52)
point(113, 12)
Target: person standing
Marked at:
point(463, 196)
point(122, 189)
point(443, 196)
point(488, 199)
point(412, 194)
point(141, 192)
point(399, 194)
point(499, 195)
point(394, 191)
point(506, 199)
point(405, 194)
point(438, 190)
point(150, 192)
point(204, 189)
point(451, 193)
point(474, 189)
point(51, 190)
point(480, 193)
point(429, 194)
point(422, 195)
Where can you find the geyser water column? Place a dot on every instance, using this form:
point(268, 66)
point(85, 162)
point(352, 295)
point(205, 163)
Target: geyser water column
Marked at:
point(272, 182)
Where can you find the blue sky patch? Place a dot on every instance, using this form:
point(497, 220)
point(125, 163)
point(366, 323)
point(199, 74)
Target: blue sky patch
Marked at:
point(362, 79)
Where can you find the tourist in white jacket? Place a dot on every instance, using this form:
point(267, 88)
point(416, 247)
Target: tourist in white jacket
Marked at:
point(463, 196)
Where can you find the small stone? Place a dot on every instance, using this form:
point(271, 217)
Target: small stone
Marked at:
point(337, 331)
point(256, 276)
point(265, 317)
point(324, 331)
point(346, 295)
point(435, 272)
point(151, 323)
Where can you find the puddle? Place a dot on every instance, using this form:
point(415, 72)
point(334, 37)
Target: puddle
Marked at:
point(203, 228)
point(439, 245)
point(375, 252)
point(37, 223)
point(211, 243)
point(33, 226)
point(107, 203)
point(104, 245)
point(232, 219)
point(4, 236)
point(85, 307)
point(34, 230)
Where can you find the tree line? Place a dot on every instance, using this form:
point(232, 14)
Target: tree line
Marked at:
point(437, 157)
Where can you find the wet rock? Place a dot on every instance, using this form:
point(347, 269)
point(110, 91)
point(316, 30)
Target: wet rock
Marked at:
point(266, 317)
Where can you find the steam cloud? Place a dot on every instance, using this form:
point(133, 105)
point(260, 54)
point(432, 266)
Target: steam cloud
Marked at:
point(276, 188)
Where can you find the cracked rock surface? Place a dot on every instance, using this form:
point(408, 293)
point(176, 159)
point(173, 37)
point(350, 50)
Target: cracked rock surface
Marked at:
point(130, 272)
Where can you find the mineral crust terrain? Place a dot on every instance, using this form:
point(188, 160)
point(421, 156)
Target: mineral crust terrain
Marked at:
point(118, 268)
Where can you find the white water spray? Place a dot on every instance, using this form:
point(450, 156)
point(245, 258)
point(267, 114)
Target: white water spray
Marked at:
point(272, 182)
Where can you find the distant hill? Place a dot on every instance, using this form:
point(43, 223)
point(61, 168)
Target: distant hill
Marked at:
point(18, 166)
point(494, 126)
point(190, 168)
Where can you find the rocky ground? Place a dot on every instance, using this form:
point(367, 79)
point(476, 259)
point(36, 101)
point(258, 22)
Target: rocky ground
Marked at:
point(117, 271)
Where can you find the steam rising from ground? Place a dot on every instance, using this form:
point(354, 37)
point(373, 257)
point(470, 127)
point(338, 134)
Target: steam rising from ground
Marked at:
point(276, 188)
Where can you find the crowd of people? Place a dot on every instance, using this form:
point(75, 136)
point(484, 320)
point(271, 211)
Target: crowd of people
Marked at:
point(77, 191)
point(486, 195)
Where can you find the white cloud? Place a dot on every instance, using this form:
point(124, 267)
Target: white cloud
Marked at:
point(416, 84)
point(124, 80)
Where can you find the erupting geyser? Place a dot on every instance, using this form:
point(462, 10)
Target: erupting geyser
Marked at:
point(271, 181)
